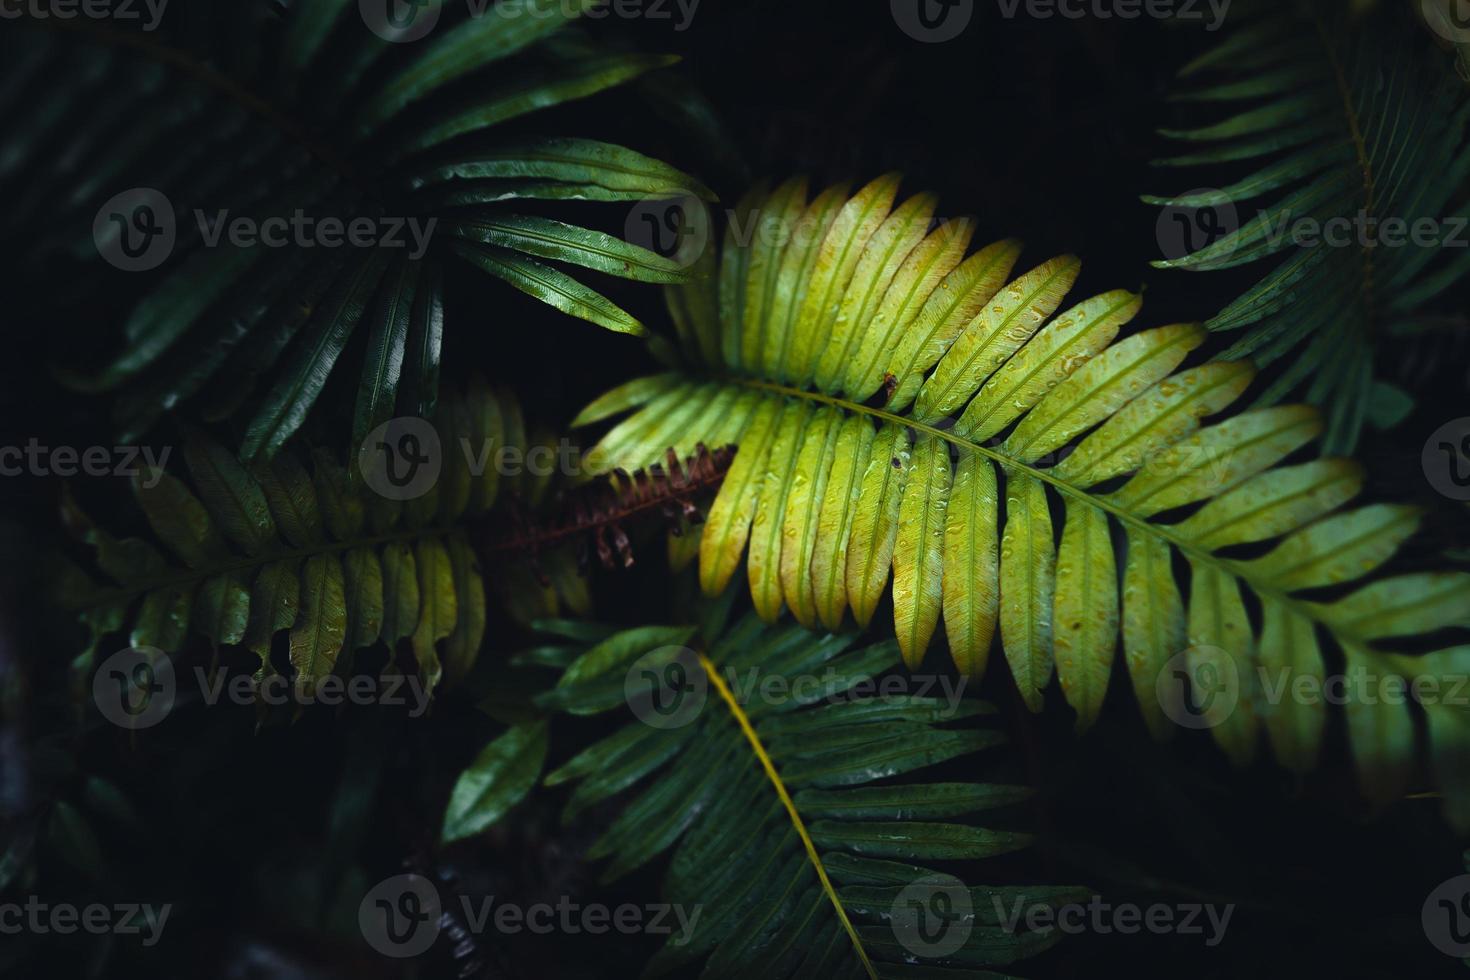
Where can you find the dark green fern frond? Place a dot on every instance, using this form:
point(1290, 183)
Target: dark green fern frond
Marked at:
point(254, 550)
point(903, 411)
point(1349, 134)
point(786, 820)
point(249, 109)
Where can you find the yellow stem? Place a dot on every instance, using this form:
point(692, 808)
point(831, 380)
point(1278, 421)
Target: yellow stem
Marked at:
point(770, 767)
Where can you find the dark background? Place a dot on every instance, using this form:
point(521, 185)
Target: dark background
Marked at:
point(1042, 129)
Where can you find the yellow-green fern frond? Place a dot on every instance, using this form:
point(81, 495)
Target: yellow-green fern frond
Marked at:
point(1021, 469)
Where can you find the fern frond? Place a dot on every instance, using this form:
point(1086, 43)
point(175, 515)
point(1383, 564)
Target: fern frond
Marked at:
point(249, 109)
point(902, 410)
point(784, 825)
point(1358, 126)
point(254, 550)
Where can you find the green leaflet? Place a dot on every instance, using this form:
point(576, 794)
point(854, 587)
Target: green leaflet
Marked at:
point(971, 556)
point(771, 229)
point(763, 562)
point(918, 552)
point(501, 775)
point(549, 285)
point(1083, 470)
point(382, 370)
point(1027, 587)
point(1086, 610)
point(561, 242)
point(576, 162)
point(178, 518)
point(801, 520)
point(275, 602)
point(501, 31)
point(231, 496)
point(620, 649)
point(316, 639)
point(222, 608)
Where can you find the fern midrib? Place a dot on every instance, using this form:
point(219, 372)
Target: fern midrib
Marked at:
point(1236, 570)
point(256, 562)
point(743, 720)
